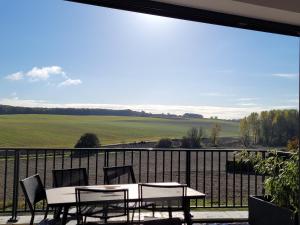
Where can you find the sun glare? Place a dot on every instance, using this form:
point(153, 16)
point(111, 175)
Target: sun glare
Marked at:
point(154, 21)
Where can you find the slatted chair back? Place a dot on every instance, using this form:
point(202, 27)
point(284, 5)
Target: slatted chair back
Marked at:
point(101, 203)
point(119, 175)
point(70, 177)
point(172, 197)
point(34, 193)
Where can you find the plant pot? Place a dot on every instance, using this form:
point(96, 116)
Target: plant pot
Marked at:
point(263, 212)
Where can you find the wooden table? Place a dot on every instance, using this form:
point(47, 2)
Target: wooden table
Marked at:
point(65, 196)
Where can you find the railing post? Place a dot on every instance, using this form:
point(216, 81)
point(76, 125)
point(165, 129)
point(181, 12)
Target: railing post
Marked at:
point(105, 157)
point(188, 168)
point(14, 217)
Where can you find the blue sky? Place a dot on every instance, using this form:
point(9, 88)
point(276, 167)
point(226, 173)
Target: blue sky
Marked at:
point(60, 54)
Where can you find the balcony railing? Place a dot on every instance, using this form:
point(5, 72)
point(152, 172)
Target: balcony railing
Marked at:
point(202, 169)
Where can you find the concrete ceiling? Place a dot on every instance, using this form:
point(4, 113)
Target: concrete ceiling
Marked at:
point(280, 11)
point(274, 16)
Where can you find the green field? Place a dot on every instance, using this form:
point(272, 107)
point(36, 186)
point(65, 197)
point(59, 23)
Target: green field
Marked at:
point(64, 131)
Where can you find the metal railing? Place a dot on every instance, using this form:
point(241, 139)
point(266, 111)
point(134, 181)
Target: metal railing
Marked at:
point(203, 169)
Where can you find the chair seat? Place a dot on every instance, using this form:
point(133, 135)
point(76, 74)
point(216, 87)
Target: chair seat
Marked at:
point(49, 222)
point(95, 223)
point(99, 212)
point(135, 205)
point(73, 222)
point(92, 211)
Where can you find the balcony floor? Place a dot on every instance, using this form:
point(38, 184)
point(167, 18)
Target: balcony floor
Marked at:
point(204, 218)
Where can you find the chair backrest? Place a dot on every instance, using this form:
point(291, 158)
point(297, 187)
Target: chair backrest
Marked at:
point(34, 190)
point(101, 203)
point(166, 221)
point(165, 197)
point(119, 175)
point(70, 177)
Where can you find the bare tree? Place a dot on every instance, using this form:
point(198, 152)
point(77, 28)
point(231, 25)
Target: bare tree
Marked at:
point(215, 133)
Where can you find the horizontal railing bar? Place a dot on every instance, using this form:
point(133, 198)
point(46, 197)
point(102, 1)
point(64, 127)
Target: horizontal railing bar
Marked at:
point(130, 149)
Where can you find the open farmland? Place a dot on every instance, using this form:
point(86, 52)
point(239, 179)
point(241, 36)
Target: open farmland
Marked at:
point(63, 131)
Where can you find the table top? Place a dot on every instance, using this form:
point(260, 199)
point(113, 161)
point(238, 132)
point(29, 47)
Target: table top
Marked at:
point(66, 195)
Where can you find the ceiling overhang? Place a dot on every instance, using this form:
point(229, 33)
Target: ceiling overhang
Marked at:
point(276, 16)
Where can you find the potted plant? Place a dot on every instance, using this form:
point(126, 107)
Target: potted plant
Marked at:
point(279, 205)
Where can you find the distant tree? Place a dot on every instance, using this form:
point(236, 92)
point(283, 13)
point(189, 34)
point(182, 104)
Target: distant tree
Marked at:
point(273, 128)
point(164, 143)
point(245, 131)
point(193, 138)
point(195, 135)
point(215, 133)
point(88, 140)
point(254, 125)
point(192, 115)
point(266, 127)
point(185, 142)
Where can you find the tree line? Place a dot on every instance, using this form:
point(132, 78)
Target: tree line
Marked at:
point(270, 128)
point(7, 109)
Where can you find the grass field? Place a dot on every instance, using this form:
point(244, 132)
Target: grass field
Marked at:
point(64, 131)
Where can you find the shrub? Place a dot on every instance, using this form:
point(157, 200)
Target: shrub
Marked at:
point(293, 144)
point(282, 182)
point(164, 143)
point(185, 142)
point(88, 140)
point(193, 138)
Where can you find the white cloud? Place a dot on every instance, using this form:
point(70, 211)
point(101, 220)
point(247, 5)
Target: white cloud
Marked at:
point(44, 73)
point(69, 82)
point(15, 76)
point(286, 75)
point(223, 112)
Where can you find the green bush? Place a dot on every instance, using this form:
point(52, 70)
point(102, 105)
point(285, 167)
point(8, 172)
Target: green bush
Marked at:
point(164, 143)
point(88, 140)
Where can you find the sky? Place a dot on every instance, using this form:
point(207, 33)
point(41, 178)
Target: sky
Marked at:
point(55, 53)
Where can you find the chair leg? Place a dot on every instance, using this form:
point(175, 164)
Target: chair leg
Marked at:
point(46, 213)
point(32, 219)
point(139, 215)
point(133, 211)
point(57, 212)
point(170, 213)
point(153, 210)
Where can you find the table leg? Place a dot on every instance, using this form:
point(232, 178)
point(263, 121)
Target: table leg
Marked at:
point(187, 212)
point(65, 215)
point(57, 212)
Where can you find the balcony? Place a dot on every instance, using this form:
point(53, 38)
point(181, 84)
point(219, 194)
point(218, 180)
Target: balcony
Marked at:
point(206, 170)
